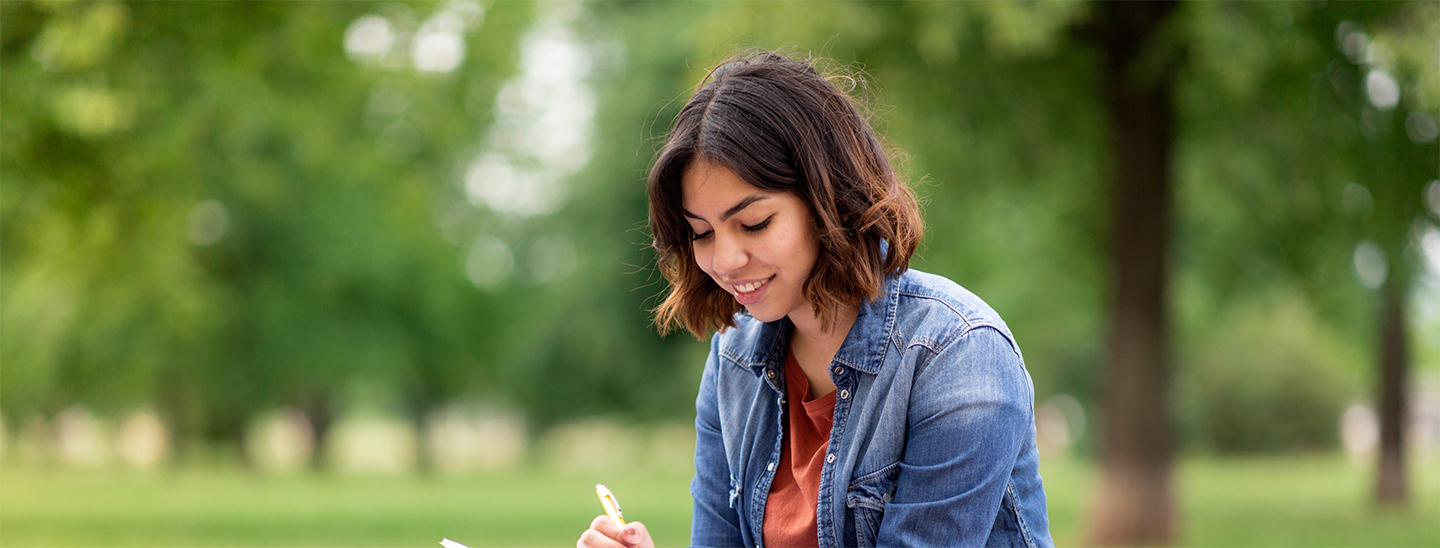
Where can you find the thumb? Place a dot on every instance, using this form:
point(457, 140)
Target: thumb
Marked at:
point(634, 534)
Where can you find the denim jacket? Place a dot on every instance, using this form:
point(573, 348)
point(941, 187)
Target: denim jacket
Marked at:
point(933, 442)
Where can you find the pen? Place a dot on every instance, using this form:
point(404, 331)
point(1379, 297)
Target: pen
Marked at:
point(612, 507)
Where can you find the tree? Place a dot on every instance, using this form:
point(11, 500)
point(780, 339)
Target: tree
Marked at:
point(1135, 502)
point(1395, 100)
point(1332, 101)
point(218, 208)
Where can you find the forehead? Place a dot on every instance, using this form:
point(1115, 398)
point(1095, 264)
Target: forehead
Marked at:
point(707, 188)
point(704, 178)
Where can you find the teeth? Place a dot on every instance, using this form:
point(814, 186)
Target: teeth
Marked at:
point(750, 286)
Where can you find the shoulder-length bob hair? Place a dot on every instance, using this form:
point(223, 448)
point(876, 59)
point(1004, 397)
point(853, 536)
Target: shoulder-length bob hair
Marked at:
point(782, 126)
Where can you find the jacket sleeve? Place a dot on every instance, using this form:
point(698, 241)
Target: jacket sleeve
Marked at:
point(715, 521)
point(969, 415)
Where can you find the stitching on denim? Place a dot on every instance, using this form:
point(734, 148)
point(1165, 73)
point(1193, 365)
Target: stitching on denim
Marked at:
point(735, 359)
point(867, 477)
point(760, 495)
point(864, 522)
point(757, 509)
point(927, 343)
point(1014, 346)
point(1019, 519)
point(947, 304)
point(852, 501)
point(1009, 340)
point(969, 325)
point(921, 366)
point(891, 312)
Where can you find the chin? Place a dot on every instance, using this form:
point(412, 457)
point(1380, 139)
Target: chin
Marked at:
point(769, 311)
point(763, 315)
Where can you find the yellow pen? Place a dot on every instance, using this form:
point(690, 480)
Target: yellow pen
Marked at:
point(612, 507)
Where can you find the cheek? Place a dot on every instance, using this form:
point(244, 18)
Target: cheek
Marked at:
point(702, 259)
point(799, 250)
point(806, 254)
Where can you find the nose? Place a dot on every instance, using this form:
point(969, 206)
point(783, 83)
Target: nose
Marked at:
point(730, 256)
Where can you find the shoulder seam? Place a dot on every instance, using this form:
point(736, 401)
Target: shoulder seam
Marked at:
point(944, 302)
point(960, 334)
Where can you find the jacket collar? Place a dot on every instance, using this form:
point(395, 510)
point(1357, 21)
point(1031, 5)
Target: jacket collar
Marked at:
point(863, 349)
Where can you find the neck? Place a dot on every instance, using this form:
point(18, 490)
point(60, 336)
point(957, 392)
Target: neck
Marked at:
point(809, 333)
point(814, 348)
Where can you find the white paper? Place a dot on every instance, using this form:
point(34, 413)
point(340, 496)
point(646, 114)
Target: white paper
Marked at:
point(447, 543)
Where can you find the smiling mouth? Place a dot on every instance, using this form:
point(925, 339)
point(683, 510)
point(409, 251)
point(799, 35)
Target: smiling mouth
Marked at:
point(751, 287)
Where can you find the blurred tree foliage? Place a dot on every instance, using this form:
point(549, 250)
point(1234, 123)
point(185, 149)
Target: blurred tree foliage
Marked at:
point(998, 106)
point(211, 208)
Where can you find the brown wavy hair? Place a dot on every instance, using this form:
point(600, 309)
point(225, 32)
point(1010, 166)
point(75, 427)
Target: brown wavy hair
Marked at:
point(783, 126)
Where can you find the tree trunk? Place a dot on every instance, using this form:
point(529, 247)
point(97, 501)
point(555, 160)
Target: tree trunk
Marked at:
point(1394, 356)
point(1134, 505)
point(317, 408)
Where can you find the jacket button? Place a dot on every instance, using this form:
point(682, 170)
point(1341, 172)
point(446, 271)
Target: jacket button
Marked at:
point(770, 466)
point(830, 457)
point(844, 394)
point(770, 373)
point(839, 371)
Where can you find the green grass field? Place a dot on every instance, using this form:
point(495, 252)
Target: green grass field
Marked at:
point(1279, 501)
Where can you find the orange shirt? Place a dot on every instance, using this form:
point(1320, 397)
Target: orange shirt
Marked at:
point(790, 508)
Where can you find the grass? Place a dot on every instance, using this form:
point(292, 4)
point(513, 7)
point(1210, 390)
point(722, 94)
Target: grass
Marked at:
point(1273, 501)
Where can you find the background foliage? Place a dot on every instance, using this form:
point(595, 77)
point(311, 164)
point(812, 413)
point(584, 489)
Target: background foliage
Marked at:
point(211, 209)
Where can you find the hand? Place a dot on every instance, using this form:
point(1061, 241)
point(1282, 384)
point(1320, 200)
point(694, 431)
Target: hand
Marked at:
point(603, 533)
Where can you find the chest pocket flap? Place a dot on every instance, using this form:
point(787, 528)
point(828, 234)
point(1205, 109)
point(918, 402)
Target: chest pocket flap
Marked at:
point(865, 502)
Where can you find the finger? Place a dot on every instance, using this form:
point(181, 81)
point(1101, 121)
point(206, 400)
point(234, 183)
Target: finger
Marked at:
point(635, 534)
point(595, 539)
point(605, 525)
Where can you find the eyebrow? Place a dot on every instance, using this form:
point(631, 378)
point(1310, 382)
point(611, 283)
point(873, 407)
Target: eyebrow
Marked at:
point(742, 205)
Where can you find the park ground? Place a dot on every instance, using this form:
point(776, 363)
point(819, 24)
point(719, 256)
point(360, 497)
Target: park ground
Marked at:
point(1307, 500)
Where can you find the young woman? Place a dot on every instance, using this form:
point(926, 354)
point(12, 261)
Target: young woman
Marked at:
point(847, 400)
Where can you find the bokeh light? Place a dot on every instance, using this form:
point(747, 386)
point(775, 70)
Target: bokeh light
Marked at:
point(1370, 265)
point(1382, 89)
point(369, 38)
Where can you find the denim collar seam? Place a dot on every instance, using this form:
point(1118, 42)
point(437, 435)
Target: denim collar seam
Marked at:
point(762, 356)
point(890, 292)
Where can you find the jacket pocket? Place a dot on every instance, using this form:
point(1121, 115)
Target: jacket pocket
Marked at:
point(865, 501)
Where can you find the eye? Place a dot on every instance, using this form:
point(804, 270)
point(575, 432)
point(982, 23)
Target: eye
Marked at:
point(758, 227)
point(696, 236)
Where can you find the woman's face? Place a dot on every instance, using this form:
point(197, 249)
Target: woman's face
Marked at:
point(758, 245)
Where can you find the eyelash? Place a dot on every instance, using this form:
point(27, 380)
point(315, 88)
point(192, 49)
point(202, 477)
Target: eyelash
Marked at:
point(747, 228)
